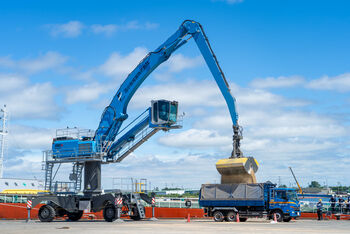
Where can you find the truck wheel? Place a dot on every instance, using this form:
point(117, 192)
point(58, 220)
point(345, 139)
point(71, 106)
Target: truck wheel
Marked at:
point(75, 216)
point(231, 216)
point(46, 213)
point(242, 219)
point(109, 213)
point(279, 215)
point(218, 216)
point(137, 217)
point(287, 219)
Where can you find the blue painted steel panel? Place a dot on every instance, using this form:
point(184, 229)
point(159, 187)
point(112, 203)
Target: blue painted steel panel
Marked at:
point(73, 148)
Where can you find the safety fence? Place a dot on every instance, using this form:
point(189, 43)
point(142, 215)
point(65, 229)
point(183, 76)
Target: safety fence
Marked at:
point(6, 198)
point(311, 207)
point(173, 202)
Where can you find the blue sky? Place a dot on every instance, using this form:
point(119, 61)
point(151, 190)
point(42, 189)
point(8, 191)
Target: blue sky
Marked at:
point(287, 62)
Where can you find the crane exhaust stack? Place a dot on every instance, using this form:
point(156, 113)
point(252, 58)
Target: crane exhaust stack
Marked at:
point(237, 170)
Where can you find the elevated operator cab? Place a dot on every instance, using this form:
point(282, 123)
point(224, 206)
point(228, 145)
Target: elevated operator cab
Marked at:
point(164, 112)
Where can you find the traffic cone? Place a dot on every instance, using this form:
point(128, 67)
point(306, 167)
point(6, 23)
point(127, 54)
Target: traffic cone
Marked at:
point(237, 218)
point(275, 217)
point(188, 218)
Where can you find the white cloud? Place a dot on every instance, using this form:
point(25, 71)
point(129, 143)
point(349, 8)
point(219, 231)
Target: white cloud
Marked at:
point(25, 100)
point(340, 83)
point(229, 1)
point(10, 82)
point(86, 93)
point(46, 61)
point(75, 28)
point(179, 62)
point(29, 138)
point(206, 93)
point(70, 30)
point(188, 93)
point(118, 64)
point(279, 82)
point(107, 29)
point(137, 25)
point(6, 61)
point(196, 138)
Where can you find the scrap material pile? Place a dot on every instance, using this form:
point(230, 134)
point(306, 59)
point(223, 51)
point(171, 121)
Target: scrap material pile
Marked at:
point(237, 170)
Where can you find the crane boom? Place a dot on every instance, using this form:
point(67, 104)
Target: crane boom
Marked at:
point(300, 189)
point(116, 113)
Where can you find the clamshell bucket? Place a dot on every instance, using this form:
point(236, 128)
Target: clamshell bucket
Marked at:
point(237, 170)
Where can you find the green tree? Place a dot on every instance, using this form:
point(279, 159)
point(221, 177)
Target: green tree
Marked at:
point(314, 184)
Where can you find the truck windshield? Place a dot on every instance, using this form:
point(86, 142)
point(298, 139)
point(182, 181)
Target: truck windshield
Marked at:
point(292, 196)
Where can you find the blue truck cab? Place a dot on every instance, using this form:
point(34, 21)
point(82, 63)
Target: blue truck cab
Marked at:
point(284, 201)
point(226, 201)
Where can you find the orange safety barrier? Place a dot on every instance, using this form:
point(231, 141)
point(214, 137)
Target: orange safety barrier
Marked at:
point(19, 211)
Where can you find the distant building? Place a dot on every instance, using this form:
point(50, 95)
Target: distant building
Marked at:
point(171, 192)
point(20, 186)
point(317, 190)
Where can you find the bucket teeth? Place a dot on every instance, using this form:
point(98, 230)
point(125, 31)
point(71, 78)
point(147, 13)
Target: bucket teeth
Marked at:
point(237, 170)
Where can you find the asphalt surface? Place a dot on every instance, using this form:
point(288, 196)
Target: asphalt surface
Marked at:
point(175, 226)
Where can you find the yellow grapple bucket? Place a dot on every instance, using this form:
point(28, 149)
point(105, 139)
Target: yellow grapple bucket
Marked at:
point(237, 170)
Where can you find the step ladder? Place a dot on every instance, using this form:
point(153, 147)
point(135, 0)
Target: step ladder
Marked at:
point(78, 171)
point(131, 146)
point(48, 175)
point(141, 210)
point(140, 207)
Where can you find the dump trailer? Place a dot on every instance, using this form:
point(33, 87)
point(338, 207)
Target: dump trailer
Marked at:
point(230, 202)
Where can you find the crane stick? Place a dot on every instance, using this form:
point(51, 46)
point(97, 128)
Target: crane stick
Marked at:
point(300, 190)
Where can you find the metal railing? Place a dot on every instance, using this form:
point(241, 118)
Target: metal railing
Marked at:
point(311, 207)
point(74, 132)
point(5, 198)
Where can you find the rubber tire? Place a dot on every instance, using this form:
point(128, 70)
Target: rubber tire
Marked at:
point(218, 216)
point(279, 215)
point(287, 219)
point(110, 213)
point(46, 213)
point(242, 219)
point(75, 216)
point(137, 217)
point(230, 217)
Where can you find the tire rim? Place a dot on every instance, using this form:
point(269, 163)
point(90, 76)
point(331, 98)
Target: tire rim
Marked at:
point(45, 213)
point(218, 216)
point(278, 216)
point(109, 212)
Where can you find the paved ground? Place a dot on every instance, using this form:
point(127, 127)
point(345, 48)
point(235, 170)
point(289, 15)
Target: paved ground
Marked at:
point(175, 226)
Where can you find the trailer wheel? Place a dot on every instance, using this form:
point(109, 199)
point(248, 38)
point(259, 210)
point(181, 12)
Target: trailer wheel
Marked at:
point(46, 213)
point(287, 219)
point(218, 216)
point(242, 219)
point(109, 213)
point(279, 215)
point(231, 216)
point(75, 216)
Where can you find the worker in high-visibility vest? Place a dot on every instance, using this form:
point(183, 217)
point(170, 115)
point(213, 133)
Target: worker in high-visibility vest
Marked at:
point(319, 209)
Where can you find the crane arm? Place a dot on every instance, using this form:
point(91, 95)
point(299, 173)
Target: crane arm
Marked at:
point(295, 178)
point(114, 114)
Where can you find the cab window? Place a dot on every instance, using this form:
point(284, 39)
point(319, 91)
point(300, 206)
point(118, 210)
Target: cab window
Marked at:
point(281, 195)
point(155, 112)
